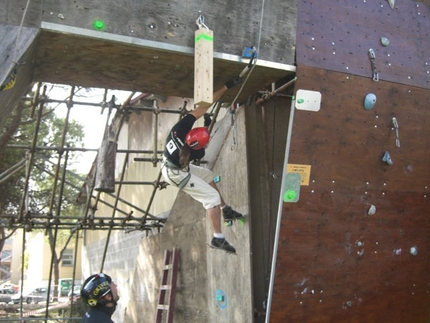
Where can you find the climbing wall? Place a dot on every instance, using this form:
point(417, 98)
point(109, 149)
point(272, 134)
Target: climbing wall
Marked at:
point(355, 247)
point(337, 36)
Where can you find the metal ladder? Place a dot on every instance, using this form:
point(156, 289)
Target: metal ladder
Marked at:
point(168, 286)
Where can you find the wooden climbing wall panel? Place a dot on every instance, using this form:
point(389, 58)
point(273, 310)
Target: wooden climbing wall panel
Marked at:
point(337, 263)
point(355, 247)
point(337, 35)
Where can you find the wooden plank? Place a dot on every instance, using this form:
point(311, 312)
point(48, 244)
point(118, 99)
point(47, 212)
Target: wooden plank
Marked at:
point(203, 68)
point(83, 61)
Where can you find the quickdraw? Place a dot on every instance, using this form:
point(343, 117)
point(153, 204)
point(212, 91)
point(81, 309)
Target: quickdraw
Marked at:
point(372, 57)
point(396, 127)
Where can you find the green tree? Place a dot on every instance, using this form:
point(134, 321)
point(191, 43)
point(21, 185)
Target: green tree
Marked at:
point(43, 195)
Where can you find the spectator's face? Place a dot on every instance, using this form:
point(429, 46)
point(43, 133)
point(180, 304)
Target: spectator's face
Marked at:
point(114, 291)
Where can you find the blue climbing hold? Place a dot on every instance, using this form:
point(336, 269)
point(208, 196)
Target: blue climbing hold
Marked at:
point(369, 101)
point(221, 298)
point(387, 158)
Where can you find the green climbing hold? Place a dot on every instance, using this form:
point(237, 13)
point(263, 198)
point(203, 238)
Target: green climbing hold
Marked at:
point(99, 25)
point(385, 41)
point(289, 195)
point(220, 298)
point(291, 187)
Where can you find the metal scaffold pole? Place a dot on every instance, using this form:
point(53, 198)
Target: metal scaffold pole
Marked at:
point(279, 218)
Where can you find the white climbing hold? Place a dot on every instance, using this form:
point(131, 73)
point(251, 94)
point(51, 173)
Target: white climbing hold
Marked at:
point(385, 41)
point(391, 2)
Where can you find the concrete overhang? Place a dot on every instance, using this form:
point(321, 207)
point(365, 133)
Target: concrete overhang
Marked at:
point(90, 58)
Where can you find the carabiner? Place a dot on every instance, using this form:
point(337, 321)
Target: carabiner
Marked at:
point(201, 22)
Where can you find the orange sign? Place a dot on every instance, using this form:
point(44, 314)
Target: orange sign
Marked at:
point(303, 170)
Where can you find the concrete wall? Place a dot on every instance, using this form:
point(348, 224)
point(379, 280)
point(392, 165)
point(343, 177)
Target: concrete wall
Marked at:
point(173, 23)
point(18, 51)
point(135, 260)
point(145, 46)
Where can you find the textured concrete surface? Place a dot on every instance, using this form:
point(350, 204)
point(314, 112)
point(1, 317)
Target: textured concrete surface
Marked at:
point(17, 52)
point(135, 259)
point(149, 46)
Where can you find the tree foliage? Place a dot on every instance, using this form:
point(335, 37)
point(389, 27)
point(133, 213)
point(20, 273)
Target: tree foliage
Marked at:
point(20, 130)
point(49, 158)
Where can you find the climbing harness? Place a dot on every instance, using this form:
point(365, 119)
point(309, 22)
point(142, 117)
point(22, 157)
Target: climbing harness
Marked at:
point(175, 170)
point(372, 57)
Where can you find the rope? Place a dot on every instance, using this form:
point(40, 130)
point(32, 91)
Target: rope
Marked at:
point(14, 62)
point(233, 110)
point(261, 24)
point(19, 31)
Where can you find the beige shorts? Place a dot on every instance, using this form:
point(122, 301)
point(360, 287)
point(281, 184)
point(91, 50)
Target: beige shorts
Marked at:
point(197, 186)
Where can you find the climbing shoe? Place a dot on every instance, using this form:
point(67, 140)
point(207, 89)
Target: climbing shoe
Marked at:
point(221, 243)
point(229, 214)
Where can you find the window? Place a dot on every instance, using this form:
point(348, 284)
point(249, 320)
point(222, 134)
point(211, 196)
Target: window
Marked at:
point(67, 259)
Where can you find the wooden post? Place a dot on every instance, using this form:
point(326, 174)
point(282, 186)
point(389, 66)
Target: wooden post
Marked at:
point(203, 67)
point(105, 174)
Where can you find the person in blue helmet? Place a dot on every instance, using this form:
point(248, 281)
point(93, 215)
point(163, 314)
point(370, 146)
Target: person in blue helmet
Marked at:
point(100, 294)
point(185, 144)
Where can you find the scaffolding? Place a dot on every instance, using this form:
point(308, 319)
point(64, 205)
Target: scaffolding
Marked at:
point(54, 220)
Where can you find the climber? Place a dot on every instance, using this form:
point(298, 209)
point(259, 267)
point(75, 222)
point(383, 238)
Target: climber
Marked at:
point(183, 145)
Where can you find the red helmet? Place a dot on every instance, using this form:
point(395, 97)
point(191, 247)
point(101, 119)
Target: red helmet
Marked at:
point(197, 138)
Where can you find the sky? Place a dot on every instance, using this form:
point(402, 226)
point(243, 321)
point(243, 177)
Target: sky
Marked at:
point(93, 118)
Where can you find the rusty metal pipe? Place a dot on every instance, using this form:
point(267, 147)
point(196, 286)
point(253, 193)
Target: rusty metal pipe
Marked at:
point(31, 160)
point(124, 166)
point(274, 92)
point(279, 218)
